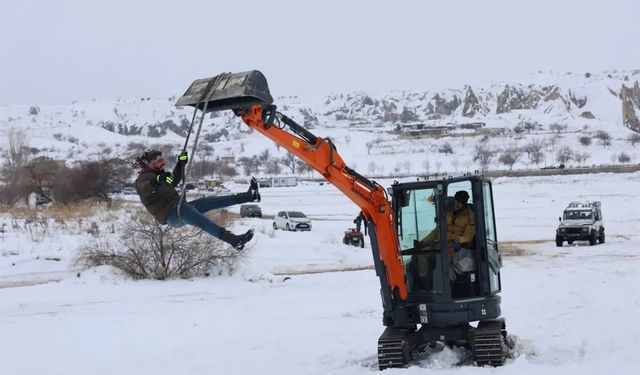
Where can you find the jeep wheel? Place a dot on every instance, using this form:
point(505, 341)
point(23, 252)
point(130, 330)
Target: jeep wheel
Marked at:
point(288, 227)
point(593, 239)
point(558, 241)
point(601, 239)
point(275, 227)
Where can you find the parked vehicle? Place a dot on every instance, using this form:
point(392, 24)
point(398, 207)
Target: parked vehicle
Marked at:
point(581, 221)
point(250, 210)
point(291, 220)
point(129, 190)
point(353, 237)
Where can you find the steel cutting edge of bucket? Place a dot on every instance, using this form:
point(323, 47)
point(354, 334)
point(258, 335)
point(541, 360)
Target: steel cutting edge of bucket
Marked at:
point(227, 91)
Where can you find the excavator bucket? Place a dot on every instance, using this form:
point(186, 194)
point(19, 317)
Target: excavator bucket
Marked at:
point(227, 91)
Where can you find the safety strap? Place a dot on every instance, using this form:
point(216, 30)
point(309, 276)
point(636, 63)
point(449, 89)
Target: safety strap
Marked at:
point(212, 90)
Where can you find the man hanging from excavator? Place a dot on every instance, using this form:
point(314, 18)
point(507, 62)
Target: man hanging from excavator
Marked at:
point(156, 189)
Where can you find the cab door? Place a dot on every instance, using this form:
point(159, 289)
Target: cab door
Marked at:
point(490, 240)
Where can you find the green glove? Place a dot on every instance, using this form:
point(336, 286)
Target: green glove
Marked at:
point(182, 157)
point(166, 177)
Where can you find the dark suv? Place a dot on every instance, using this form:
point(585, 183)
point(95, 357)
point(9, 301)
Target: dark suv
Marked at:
point(250, 210)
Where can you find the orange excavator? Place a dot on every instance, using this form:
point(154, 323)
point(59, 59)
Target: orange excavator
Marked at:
point(431, 292)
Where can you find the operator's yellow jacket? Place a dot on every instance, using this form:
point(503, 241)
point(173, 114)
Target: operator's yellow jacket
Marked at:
point(461, 224)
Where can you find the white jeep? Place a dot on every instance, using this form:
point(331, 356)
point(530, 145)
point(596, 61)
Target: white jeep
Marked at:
point(581, 221)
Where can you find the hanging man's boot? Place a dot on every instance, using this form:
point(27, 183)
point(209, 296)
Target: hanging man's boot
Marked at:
point(238, 242)
point(252, 195)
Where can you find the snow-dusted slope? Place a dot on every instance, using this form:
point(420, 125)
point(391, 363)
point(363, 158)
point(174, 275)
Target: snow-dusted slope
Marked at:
point(361, 124)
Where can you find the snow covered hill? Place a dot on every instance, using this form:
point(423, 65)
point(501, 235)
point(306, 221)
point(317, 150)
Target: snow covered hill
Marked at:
point(386, 133)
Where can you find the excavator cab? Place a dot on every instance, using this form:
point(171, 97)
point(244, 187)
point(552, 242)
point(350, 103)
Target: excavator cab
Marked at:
point(449, 284)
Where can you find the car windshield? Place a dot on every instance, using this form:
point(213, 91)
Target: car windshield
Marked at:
point(251, 206)
point(577, 215)
point(296, 214)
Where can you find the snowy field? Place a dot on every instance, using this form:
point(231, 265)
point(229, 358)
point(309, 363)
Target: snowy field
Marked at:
point(570, 310)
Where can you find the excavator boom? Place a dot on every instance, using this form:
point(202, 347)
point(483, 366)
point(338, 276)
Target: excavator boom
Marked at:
point(321, 155)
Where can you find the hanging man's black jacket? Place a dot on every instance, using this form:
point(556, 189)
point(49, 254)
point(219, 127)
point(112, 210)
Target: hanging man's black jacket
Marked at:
point(158, 197)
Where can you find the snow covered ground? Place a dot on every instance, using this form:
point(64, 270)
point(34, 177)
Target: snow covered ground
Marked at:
point(570, 310)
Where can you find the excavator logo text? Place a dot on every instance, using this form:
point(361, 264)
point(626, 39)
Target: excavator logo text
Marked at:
point(363, 196)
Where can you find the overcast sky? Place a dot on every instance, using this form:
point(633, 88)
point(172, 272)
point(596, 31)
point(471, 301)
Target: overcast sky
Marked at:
point(56, 51)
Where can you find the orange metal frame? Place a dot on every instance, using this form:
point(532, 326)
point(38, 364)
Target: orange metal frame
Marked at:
point(322, 157)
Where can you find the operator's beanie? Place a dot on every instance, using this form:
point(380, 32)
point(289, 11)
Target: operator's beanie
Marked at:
point(461, 196)
point(150, 155)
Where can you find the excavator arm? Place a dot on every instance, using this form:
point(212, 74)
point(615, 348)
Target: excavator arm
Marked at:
point(247, 94)
point(321, 155)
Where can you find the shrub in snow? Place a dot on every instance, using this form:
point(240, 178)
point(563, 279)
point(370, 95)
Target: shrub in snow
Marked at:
point(144, 249)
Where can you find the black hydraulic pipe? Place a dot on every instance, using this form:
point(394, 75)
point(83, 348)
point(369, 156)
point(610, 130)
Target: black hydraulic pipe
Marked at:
point(299, 130)
point(372, 185)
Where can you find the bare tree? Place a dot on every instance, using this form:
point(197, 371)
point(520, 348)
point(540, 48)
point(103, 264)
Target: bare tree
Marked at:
point(557, 127)
point(581, 157)
point(369, 146)
point(289, 161)
point(223, 170)
point(88, 180)
point(603, 137)
point(446, 148)
point(624, 158)
point(15, 157)
point(530, 125)
point(534, 151)
point(585, 140)
point(483, 155)
point(249, 164)
point(406, 165)
point(564, 154)
point(303, 167)
point(426, 165)
point(264, 155)
point(509, 157)
point(273, 166)
point(633, 139)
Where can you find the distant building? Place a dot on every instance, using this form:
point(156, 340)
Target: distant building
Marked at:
point(278, 181)
point(472, 125)
point(425, 130)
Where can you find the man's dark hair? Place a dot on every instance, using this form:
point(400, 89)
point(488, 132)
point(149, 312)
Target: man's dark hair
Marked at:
point(461, 196)
point(140, 162)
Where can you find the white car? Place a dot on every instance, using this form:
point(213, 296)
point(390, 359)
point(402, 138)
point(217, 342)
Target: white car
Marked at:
point(291, 220)
point(129, 190)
